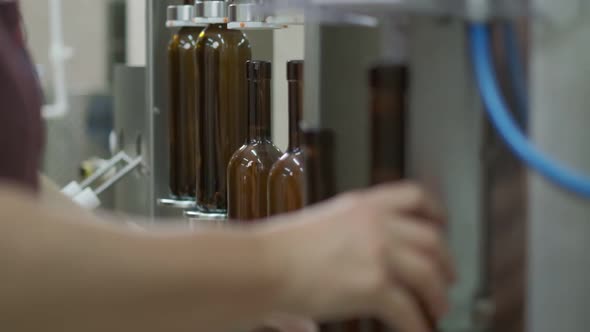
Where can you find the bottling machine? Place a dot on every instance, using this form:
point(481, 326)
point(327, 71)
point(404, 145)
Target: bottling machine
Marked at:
point(497, 106)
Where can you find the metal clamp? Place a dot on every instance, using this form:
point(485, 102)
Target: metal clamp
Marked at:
point(203, 216)
point(83, 194)
point(211, 12)
point(183, 204)
point(286, 20)
point(181, 16)
point(254, 26)
point(250, 16)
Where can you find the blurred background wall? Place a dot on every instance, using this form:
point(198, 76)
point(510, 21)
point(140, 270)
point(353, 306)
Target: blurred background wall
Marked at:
point(96, 32)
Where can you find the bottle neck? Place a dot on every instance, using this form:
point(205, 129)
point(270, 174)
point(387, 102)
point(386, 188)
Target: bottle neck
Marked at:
point(259, 110)
point(295, 114)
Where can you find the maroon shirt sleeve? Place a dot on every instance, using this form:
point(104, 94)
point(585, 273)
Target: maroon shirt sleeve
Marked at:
point(21, 130)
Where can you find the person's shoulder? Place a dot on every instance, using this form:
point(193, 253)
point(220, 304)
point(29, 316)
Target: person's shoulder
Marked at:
point(10, 13)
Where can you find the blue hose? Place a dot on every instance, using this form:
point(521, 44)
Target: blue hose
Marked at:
point(497, 110)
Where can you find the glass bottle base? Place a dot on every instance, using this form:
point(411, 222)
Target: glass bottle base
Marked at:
point(178, 203)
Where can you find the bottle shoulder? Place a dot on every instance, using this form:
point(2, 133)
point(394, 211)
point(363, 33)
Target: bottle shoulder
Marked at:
point(218, 38)
point(238, 155)
point(270, 150)
point(188, 40)
point(293, 155)
point(174, 42)
point(256, 154)
point(289, 163)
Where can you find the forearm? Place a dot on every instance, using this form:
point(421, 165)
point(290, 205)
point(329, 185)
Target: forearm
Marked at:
point(50, 195)
point(59, 271)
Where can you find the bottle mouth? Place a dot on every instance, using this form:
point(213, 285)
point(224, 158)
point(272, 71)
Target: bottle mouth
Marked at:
point(257, 70)
point(295, 70)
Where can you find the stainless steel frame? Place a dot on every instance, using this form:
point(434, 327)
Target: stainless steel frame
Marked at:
point(131, 194)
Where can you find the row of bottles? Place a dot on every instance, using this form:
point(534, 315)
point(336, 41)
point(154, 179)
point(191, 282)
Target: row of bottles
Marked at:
point(250, 166)
point(221, 147)
point(388, 118)
point(221, 154)
point(387, 111)
point(261, 183)
point(208, 108)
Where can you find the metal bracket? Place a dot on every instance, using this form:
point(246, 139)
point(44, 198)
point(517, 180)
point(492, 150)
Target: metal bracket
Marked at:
point(83, 193)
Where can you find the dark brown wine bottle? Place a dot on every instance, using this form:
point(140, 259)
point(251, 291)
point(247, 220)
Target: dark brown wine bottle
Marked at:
point(183, 116)
point(318, 152)
point(250, 166)
point(287, 177)
point(389, 84)
point(221, 60)
point(388, 105)
point(389, 88)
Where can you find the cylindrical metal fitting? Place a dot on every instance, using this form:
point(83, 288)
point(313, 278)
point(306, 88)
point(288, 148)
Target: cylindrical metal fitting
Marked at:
point(211, 9)
point(184, 13)
point(246, 12)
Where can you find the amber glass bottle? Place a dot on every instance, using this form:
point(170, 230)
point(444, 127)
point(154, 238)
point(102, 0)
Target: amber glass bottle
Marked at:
point(285, 184)
point(183, 116)
point(249, 168)
point(388, 106)
point(320, 185)
point(318, 153)
point(389, 84)
point(221, 57)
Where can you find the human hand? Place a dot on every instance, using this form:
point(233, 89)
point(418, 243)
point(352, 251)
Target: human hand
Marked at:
point(288, 323)
point(378, 252)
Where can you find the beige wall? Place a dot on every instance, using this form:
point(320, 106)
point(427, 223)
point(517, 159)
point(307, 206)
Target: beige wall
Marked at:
point(136, 30)
point(84, 29)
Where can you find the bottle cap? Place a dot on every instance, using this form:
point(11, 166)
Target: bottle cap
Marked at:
point(259, 70)
point(295, 70)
